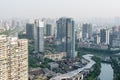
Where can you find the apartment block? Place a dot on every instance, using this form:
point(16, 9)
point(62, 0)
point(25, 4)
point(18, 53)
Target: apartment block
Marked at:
point(13, 58)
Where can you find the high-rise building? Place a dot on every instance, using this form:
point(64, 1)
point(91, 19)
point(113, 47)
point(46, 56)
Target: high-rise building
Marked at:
point(66, 36)
point(104, 36)
point(114, 35)
point(78, 31)
point(6, 26)
point(13, 23)
point(13, 58)
point(39, 35)
point(1, 24)
point(97, 39)
point(29, 31)
point(48, 30)
point(86, 31)
point(116, 29)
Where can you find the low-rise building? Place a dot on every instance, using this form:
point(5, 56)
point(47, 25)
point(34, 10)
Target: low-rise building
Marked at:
point(55, 56)
point(53, 65)
point(77, 74)
point(36, 74)
point(116, 43)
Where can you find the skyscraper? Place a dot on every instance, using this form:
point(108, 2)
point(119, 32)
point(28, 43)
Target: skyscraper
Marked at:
point(39, 36)
point(48, 29)
point(13, 58)
point(66, 36)
point(87, 30)
point(104, 36)
point(29, 31)
point(13, 23)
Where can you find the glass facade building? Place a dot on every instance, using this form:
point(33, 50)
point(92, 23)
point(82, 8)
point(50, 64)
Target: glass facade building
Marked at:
point(66, 36)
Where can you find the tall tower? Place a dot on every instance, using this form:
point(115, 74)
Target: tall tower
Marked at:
point(104, 36)
point(97, 38)
point(39, 36)
point(48, 30)
point(29, 31)
point(66, 36)
point(13, 58)
point(87, 30)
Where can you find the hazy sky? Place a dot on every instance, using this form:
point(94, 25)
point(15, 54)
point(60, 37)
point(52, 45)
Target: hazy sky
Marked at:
point(58, 8)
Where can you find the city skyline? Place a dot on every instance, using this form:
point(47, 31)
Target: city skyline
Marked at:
point(61, 53)
point(59, 40)
point(58, 8)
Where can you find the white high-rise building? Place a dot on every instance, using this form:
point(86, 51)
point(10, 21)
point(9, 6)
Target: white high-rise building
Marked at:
point(97, 38)
point(1, 24)
point(79, 32)
point(107, 37)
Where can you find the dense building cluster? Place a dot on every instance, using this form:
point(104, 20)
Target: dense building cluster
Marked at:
point(13, 58)
point(52, 44)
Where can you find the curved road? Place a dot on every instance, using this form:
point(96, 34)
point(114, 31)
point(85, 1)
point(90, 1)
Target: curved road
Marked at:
point(75, 72)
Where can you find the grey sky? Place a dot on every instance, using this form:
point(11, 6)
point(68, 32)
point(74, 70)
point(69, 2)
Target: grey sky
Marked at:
point(58, 8)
